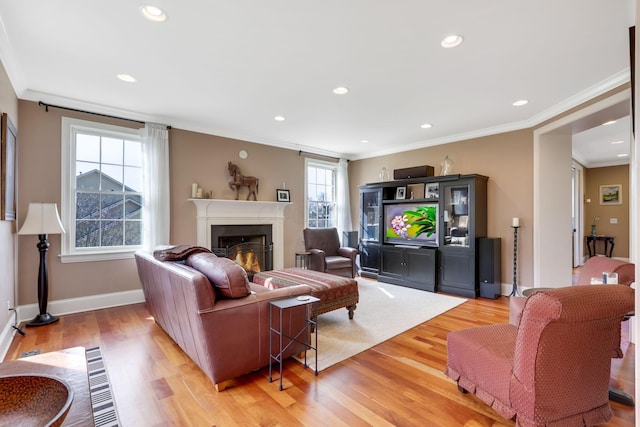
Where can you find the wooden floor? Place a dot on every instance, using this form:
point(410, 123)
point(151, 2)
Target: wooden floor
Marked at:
point(399, 382)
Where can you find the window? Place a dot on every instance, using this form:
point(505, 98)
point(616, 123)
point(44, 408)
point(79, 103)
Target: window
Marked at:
point(320, 211)
point(102, 186)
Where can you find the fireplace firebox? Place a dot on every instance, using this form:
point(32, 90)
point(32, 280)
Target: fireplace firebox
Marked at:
point(250, 246)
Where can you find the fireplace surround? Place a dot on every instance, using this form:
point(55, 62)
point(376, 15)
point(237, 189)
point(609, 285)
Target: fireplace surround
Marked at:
point(210, 212)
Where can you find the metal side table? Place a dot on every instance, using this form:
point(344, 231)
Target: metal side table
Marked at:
point(282, 306)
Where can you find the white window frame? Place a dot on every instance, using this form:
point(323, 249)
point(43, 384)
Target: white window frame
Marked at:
point(322, 164)
point(70, 253)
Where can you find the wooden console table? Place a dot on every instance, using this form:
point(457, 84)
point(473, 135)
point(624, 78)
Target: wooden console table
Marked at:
point(592, 241)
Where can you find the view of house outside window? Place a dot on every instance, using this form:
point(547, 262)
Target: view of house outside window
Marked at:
point(321, 194)
point(103, 208)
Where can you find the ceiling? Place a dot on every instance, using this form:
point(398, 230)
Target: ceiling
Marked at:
point(229, 67)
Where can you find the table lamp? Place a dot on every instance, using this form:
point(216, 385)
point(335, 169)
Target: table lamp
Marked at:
point(42, 219)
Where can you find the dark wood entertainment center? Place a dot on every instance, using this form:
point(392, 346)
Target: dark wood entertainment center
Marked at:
point(400, 245)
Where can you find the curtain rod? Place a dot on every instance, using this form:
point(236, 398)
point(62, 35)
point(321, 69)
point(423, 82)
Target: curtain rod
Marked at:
point(46, 108)
point(300, 153)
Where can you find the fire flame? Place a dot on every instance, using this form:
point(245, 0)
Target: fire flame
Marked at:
point(248, 260)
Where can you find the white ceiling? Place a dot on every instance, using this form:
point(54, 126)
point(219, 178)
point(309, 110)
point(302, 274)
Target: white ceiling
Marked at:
point(228, 67)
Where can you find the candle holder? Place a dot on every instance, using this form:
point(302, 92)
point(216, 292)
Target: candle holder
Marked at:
point(514, 290)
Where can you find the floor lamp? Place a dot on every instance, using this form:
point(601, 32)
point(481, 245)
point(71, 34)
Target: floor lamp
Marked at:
point(42, 219)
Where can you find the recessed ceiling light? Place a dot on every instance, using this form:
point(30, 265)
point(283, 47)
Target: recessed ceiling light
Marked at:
point(520, 103)
point(279, 118)
point(364, 141)
point(610, 122)
point(153, 13)
point(451, 41)
point(426, 126)
point(126, 78)
point(622, 155)
point(617, 142)
point(341, 90)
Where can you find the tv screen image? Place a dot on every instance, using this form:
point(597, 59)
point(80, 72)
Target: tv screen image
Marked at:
point(411, 223)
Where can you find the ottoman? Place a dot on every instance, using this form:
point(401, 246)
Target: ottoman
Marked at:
point(334, 291)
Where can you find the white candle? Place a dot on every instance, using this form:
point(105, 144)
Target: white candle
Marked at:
point(515, 222)
point(199, 193)
point(194, 190)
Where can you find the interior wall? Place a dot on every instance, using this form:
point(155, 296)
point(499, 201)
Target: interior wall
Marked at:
point(507, 159)
point(9, 105)
point(203, 159)
point(39, 180)
point(594, 178)
point(553, 243)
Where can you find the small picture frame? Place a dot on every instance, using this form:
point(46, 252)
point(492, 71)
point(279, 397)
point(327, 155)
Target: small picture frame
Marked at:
point(611, 194)
point(283, 195)
point(401, 193)
point(432, 191)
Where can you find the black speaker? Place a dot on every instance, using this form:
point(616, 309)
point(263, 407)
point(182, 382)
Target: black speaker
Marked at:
point(489, 267)
point(413, 172)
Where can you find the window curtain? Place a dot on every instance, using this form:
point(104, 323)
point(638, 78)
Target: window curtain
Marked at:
point(343, 202)
point(155, 150)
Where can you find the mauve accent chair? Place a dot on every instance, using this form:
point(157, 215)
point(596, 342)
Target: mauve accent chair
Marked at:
point(327, 256)
point(553, 368)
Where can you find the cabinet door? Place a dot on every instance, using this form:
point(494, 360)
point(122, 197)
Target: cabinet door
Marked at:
point(457, 217)
point(421, 268)
point(370, 257)
point(457, 272)
point(393, 263)
point(370, 215)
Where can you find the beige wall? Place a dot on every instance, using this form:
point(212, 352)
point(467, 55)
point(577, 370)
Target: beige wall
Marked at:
point(594, 178)
point(39, 177)
point(9, 105)
point(507, 159)
point(203, 159)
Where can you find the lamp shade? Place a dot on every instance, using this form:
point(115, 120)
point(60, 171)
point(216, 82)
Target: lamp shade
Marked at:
point(42, 218)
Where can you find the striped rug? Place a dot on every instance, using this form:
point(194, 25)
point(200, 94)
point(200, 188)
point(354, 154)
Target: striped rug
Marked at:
point(104, 406)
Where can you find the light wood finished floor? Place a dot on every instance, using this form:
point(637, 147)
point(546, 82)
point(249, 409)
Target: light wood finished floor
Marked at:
point(399, 382)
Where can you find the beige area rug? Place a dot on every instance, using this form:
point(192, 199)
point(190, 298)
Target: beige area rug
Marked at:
point(383, 312)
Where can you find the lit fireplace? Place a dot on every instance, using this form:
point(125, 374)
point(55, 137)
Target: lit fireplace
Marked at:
point(250, 246)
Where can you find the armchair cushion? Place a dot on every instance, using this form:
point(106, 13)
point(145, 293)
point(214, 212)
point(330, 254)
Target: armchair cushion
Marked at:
point(229, 279)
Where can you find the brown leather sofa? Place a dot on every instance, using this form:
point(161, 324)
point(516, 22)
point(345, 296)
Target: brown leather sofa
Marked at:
point(326, 254)
point(222, 324)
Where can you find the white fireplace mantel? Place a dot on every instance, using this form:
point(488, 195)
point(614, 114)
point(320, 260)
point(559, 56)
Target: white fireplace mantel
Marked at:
point(241, 212)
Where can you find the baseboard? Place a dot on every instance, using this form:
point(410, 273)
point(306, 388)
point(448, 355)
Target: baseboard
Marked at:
point(68, 306)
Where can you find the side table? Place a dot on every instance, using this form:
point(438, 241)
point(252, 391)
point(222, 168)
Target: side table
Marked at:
point(302, 259)
point(282, 306)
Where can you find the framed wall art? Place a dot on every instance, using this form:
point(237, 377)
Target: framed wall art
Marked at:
point(9, 140)
point(611, 194)
point(283, 195)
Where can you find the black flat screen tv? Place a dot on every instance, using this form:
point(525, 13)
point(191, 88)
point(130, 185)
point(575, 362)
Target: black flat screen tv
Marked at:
point(411, 224)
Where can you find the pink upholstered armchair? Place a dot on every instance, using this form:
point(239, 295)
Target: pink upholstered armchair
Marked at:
point(554, 367)
point(327, 255)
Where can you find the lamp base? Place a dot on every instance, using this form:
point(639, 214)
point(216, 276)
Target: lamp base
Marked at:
point(42, 319)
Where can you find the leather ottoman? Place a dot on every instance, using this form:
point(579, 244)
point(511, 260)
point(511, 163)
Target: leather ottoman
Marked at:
point(334, 291)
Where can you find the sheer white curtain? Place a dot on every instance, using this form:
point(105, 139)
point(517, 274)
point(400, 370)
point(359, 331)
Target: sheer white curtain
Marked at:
point(155, 149)
point(343, 202)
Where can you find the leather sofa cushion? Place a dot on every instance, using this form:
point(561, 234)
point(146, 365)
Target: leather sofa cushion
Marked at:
point(229, 279)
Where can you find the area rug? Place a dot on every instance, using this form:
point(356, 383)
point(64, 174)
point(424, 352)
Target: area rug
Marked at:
point(383, 312)
point(104, 406)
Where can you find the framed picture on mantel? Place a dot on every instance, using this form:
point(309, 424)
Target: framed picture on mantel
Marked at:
point(283, 195)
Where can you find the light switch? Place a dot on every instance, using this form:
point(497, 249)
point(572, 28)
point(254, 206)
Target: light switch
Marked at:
point(613, 220)
point(588, 200)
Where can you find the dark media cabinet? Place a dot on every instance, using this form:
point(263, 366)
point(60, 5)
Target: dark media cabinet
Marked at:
point(447, 262)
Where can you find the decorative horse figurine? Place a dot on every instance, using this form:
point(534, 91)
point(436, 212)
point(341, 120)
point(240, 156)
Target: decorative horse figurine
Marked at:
point(239, 180)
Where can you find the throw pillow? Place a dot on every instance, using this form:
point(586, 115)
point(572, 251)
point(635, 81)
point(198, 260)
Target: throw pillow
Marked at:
point(229, 279)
